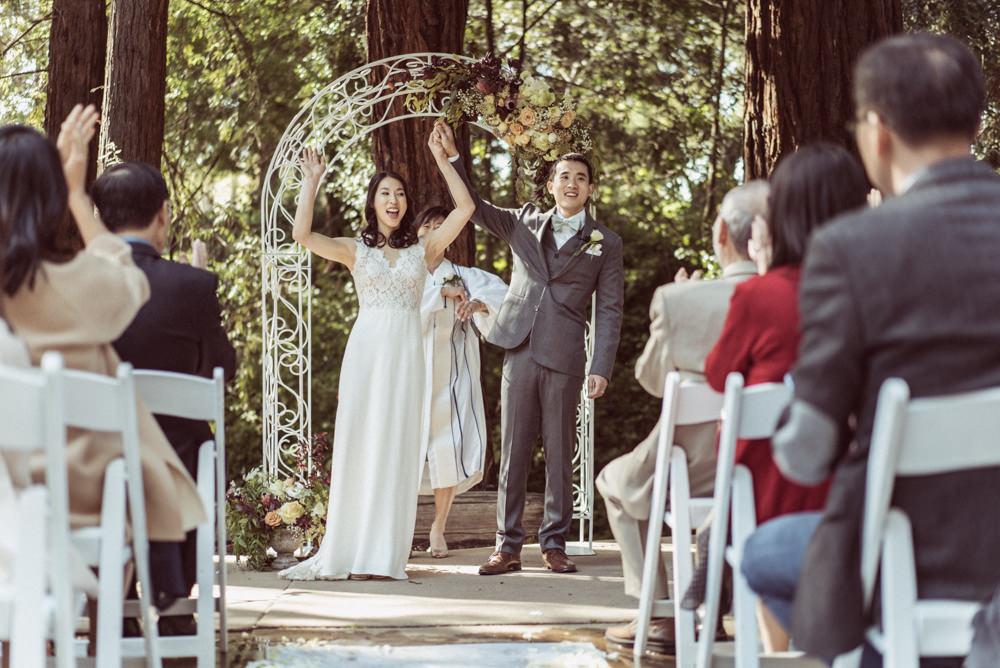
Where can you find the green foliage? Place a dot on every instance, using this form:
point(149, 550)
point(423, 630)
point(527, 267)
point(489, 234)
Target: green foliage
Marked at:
point(648, 80)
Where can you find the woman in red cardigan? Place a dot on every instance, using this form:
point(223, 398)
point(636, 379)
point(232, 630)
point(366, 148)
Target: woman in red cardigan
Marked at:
point(761, 336)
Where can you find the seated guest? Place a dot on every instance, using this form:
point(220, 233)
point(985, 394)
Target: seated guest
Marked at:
point(686, 317)
point(77, 303)
point(906, 290)
point(179, 329)
point(761, 336)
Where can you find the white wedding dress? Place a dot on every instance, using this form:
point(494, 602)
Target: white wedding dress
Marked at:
point(377, 436)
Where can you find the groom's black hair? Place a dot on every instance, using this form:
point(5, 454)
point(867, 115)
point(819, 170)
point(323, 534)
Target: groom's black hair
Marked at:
point(574, 157)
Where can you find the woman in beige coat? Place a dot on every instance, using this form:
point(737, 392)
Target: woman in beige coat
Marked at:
point(77, 304)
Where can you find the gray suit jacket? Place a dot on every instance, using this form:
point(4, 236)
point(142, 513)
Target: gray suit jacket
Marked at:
point(550, 288)
point(909, 290)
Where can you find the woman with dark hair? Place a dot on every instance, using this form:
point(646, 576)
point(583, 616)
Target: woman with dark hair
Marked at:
point(760, 337)
point(77, 303)
point(377, 453)
point(458, 303)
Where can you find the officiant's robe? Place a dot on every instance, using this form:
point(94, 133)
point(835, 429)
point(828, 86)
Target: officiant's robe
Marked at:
point(455, 431)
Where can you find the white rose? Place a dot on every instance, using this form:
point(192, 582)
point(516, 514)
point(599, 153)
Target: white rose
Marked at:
point(596, 235)
point(291, 511)
point(319, 510)
point(277, 487)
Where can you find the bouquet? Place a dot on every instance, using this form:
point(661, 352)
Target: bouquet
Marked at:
point(264, 502)
point(521, 109)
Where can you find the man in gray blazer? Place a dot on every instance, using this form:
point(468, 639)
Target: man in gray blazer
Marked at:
point(686, 319)
point(561, 257)
point(908, 290)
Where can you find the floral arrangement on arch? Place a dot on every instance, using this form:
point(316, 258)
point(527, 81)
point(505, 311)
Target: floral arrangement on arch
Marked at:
point(521, 109)
point(265, 502)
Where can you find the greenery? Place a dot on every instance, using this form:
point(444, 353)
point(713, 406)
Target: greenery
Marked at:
point(662, 100)
point(264, 503)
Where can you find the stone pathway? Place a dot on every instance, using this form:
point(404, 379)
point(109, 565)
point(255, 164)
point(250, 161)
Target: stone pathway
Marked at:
point(444, 602)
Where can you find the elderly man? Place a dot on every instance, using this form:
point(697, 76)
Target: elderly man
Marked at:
point(906, 290)
point(687, 317)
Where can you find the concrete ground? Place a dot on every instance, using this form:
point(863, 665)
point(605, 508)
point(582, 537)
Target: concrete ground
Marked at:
point(444, 601)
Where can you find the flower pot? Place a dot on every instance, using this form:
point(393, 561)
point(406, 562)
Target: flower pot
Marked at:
point(284, 541)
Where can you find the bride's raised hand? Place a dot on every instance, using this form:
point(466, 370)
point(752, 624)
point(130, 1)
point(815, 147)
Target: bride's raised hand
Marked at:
point(436, 146)
point(447, 138)
point(313, 165)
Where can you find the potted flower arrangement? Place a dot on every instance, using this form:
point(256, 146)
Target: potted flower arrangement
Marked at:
point(518, 107)
point(266, 507)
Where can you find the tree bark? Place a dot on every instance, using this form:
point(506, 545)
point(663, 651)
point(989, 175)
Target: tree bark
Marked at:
point(78, 40)
point(799, 60)
point(135, 83)
point(397, 27)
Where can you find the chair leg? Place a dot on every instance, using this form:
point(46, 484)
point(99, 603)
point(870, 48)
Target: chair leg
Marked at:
point(651, 560)
point(684, 620)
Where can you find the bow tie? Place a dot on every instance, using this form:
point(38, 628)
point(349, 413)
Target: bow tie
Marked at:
point(571, 224)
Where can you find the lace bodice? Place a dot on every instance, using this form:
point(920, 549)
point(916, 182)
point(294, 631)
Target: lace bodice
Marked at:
point(383, 285)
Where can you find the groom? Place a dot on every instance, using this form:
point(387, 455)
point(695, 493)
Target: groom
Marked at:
point(561, 257)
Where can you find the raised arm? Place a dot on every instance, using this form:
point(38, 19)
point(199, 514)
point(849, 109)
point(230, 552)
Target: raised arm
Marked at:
point(494, 219)
point(338, 249)
point(436, 241)
point(74, 136)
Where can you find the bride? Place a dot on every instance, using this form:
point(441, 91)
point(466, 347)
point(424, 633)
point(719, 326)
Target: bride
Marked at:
point(377, 435)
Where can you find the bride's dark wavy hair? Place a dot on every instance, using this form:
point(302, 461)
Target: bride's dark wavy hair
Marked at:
point(403, 236)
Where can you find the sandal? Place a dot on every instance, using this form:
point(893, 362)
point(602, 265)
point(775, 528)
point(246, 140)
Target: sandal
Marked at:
point(437, 551)
point(359, 576)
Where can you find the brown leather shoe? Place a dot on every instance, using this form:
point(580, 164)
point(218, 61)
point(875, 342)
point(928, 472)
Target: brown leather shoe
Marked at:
point(660, 639)
point(501, 562)
point(557, 561)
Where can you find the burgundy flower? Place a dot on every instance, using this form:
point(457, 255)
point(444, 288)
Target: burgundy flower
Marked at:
point(486, 86)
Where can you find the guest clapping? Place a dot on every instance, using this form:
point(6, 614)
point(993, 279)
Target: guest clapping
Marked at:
point(761, 336)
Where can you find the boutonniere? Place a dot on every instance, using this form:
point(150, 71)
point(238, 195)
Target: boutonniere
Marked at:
point(453, 279)
point(592, 246)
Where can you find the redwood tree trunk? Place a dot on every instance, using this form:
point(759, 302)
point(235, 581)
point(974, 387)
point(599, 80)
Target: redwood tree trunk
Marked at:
point(135, 83)
point(397, 27)
point(799, 60)
point(78, 40)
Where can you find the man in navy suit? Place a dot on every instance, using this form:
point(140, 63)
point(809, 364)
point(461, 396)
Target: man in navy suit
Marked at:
point(179, 329)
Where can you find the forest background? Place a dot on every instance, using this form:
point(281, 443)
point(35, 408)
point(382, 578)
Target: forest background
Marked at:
point(671, 91)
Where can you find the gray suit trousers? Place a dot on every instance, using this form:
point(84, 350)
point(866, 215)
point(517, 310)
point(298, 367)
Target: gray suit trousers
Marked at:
point(535, 400)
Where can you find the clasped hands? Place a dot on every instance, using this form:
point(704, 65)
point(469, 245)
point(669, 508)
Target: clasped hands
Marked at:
point(464, 307)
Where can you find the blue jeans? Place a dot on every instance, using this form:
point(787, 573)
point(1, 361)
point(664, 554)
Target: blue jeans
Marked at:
point(772, 561)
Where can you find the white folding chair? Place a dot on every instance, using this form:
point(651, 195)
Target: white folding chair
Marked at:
point(748, 412)
point(30, 423)
point(193, 397)
point(923, 436)
point(100, 403)
point(683, 404)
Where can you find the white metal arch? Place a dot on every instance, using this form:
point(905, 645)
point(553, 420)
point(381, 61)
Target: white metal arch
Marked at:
point(336, 118)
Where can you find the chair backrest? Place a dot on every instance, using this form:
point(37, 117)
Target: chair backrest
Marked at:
point(748, 412)
point(182, 395)
point(920, 437)
point(31, 422)
point(683, 403)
